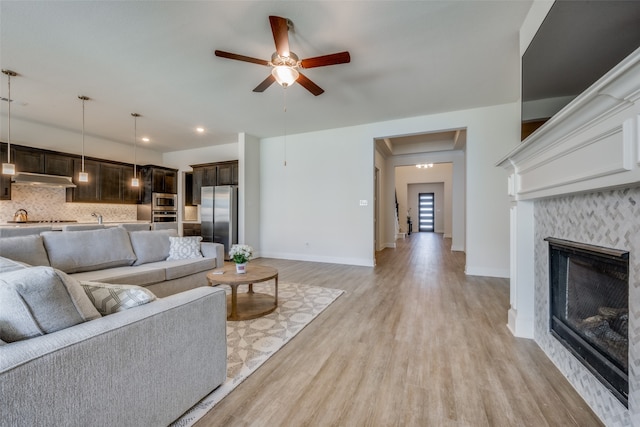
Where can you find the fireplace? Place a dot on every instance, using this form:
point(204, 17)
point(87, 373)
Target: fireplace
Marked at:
point(589, 308)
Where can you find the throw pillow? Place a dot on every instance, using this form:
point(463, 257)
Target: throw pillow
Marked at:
point(184, 247)
point(109, 298)
point(151, 246)
point(28, 249)
point(39, 300)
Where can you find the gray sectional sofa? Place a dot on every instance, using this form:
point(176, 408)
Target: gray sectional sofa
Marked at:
point(142, 366)
point(115, 255)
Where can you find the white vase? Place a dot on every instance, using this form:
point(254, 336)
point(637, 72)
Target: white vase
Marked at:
point(241, 268)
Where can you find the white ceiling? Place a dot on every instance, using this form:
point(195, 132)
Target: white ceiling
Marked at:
point(408, 58)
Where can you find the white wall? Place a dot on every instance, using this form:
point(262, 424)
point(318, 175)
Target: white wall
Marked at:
point(310, 208)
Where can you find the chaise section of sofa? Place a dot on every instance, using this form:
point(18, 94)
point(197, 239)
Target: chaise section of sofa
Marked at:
point(115, 255)
point(140, 367)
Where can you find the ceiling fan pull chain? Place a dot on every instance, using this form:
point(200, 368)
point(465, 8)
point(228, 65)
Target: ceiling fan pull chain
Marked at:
point(285, 124)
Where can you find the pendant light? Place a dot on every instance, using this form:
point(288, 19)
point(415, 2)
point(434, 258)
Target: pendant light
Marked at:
point(9, 168)
point(83, 176)
point(134, 181)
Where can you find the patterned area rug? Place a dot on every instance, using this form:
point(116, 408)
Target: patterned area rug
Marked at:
point(250, 343)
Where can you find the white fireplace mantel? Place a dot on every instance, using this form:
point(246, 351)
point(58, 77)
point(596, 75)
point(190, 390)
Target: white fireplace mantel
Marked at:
point(592, 144)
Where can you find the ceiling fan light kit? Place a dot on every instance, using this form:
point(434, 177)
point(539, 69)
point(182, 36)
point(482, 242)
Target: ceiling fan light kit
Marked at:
point(285, 63)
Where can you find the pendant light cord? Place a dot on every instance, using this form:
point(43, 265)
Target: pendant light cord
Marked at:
point(135, 137)
point(9, 121)
point(83, 99)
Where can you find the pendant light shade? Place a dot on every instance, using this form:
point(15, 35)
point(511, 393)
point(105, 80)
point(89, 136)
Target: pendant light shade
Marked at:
point(83, 176)
point(134, 181)
point(9, 168)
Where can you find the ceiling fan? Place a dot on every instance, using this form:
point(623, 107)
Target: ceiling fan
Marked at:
point(284, 63)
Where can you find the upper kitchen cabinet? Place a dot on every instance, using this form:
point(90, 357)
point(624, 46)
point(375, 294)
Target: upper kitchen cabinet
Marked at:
point(85, 191)
point(28, 159)
point(212, 174)
point(34, 160)
point(130, 195)
point(227, 174)
point(109, 182)
point(156, 179)
point(58, 164)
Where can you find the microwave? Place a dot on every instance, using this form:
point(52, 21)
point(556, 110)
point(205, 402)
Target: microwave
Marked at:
point(164, 202)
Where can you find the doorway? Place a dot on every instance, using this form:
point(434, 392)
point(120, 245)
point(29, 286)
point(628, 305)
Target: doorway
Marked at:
point(426, 212)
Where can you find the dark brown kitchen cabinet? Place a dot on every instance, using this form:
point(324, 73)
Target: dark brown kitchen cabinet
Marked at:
point(5, 180)
point(85, 191)
point(156, 179)
point(164, 180)
point(58, 164)
point(202, 177)
point(227, 174)
point(110, 183)
point(221, 173)
point(28, 159)
point(130, 194)
point(191, 229)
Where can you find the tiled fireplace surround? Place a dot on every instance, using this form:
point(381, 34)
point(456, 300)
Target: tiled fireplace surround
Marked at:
point(578, 178)
point(610, 219)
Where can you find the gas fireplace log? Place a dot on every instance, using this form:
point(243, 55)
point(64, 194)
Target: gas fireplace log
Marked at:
point(597, 327)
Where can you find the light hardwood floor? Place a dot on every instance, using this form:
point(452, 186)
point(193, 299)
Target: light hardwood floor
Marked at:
point(413, 342)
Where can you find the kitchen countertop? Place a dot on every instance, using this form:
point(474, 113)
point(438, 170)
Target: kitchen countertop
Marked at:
point(58, 225)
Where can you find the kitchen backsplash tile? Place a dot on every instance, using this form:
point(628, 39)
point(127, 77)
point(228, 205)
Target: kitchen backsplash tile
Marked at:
point(44, 203)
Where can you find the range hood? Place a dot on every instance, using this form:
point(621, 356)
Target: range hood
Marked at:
point(42, 180)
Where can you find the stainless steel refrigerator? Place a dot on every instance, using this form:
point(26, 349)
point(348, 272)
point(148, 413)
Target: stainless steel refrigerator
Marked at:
point(219, 215)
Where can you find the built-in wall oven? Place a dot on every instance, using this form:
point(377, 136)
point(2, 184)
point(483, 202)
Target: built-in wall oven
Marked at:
point(164, 216)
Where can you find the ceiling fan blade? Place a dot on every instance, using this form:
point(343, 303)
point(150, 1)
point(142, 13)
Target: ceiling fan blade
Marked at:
point(321, 61)
point(280, 30)
point(265, 84)
point(309, 85)
point(223, 54)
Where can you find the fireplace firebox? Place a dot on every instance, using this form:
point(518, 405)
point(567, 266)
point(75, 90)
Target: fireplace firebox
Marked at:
point(589, 308)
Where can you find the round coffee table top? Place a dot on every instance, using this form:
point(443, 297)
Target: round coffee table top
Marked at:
point(255, 273)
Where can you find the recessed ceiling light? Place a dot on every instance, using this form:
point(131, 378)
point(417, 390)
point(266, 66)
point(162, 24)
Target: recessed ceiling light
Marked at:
point(199, 129)
point(145, 139)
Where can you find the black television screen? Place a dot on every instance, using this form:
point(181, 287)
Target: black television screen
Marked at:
point(577, 43)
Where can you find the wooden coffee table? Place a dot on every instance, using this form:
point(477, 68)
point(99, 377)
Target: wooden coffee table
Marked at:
point(250, 304)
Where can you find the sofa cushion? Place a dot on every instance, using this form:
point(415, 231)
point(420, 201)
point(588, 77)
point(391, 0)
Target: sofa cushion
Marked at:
point(151, 246)
point(184, 247)
point(76, 251)
point(7, 265)
point(174, 269)
point(38, 300)
point(141, 275)
point(28, 249)
point(109, 298)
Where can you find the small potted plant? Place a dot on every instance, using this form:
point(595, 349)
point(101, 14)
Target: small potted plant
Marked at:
point(241, 254)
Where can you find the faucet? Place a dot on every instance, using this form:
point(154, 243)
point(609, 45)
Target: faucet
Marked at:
point(97, 215)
